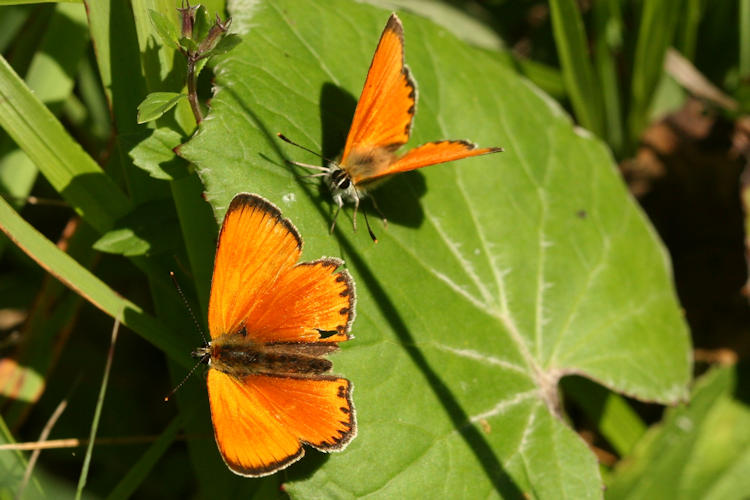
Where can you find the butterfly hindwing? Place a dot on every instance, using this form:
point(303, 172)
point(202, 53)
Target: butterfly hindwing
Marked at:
point(251, 440)
point(261, 421)
point(428, 154)
point(310, 302)
point(318, 410)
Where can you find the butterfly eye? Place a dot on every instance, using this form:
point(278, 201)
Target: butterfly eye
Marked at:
point(340, 180)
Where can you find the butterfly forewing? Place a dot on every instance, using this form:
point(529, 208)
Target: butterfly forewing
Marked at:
point(256, 245)
point(386, 106)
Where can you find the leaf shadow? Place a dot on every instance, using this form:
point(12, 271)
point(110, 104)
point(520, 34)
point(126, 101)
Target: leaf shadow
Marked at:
point(481, 448)
point(479, 445)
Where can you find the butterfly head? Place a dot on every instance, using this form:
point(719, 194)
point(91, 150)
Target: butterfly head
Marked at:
point(203, 353)
point(341, 184)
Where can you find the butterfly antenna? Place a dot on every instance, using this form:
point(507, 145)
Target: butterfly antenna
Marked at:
point(171, 393)
point(190, 310)
point(287, 139)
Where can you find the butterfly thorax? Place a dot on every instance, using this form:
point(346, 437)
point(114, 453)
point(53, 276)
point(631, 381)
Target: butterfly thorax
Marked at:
point(358, 171)
point(237, 355)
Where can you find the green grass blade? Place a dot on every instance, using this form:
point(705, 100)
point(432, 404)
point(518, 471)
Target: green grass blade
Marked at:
point(657, 26)
point(12, 22)
point(98, 122)
point(744, 37)
point(607, 43)
point(577, 71)
point(688, 27)
point(24, 2)
point(83, 282)
point(72, 172)
point(54, 310)
point(50, 77)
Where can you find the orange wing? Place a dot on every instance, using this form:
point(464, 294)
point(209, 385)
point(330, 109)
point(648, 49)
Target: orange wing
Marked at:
point(261, 422)
point(386, 107)
point(256, 245)
point(425, 155)
point(256, 283)
point(310, 303)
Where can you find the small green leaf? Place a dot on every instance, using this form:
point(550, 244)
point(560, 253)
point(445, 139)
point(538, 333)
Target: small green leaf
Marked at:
point(188, 44)
point(156, 104)
point(166, 29)
point(202, 24)
point(226, 44)
point(155, 155)
point(152, 228)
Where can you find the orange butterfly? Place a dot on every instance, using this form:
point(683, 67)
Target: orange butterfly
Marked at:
point(271, 321)
point(381, 125)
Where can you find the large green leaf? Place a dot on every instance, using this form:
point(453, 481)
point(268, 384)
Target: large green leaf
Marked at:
point(495, 277)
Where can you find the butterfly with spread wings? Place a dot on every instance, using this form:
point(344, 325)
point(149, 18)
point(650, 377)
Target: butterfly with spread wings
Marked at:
point(381, 125)
point(272, 320)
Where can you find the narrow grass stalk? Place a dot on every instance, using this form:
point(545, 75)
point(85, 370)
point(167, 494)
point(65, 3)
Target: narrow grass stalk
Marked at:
point(98, 410)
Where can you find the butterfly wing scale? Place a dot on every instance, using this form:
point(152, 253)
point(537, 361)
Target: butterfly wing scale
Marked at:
point(386, 106)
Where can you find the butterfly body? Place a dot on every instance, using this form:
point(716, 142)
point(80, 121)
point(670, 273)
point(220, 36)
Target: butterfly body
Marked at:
point(271, 321)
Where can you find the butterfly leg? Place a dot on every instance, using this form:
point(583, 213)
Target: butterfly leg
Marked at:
point(369, 229)
point(367, 222)
point(339, 203)
point(354, 217)
point(380, 212)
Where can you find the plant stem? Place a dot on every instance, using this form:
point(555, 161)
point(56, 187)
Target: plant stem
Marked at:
point(192, 84)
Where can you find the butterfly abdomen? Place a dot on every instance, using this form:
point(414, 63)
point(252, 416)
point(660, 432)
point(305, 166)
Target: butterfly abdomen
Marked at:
point(242, 358)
